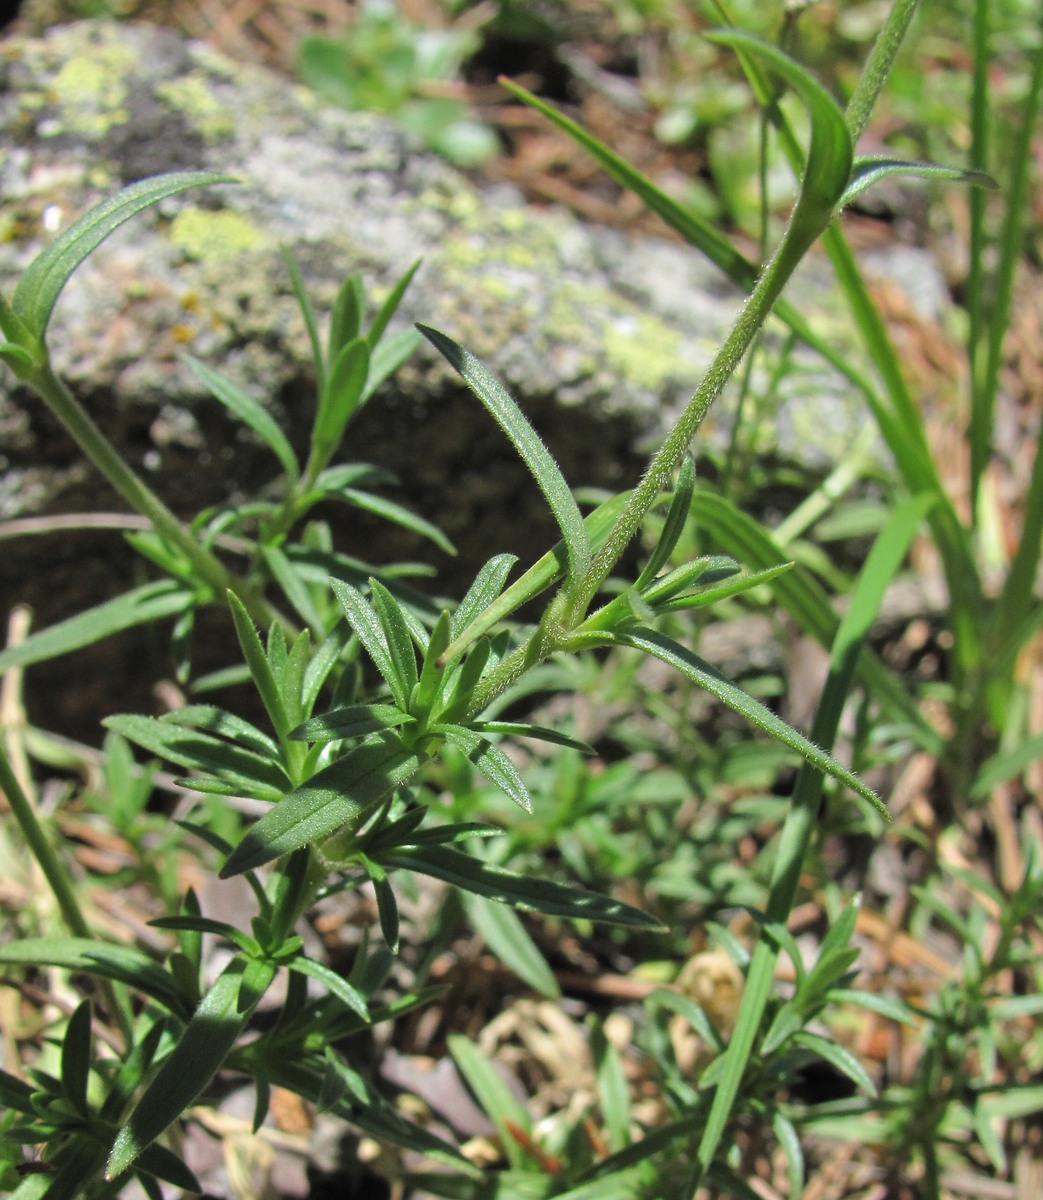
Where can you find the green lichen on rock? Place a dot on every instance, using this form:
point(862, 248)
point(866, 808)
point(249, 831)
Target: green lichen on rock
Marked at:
point(212, 236)
point(91, 89)
point(195, 99)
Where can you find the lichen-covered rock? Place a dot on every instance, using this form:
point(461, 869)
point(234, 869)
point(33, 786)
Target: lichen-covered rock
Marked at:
point(602, 338)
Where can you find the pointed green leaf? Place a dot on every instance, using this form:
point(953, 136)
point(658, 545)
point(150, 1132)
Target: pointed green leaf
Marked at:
point(250, 412)
point(43, 280)
point(494, 1096)
point(196, 749)
point(533, 452)
point(308, 313)
point(354, 720)
point(490, 760)
point(844, 1061)
point(260, 669)
point(700, 672)
point(396, 634)
point(867, 171)
point(346, 316)
point(199, 1053)
point(540, 732)
point(387, 905)
point(734, 587)
point(331, 799)
point(520, 891)
point(487, 585)
point(387, 356)
point(122, 964)
point(342, 396)
point(694, 229)
point(390, 305)
point(396, 514)
point(366, 624)
point(510, 941)
point(142, 606)
point(224, 724)
point(336, 984)
point(76, 1057)
point(676, 519)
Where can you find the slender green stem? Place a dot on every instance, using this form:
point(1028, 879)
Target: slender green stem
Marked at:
point(878, 66)
point(42, 850)
point(139, 495)
point(576, 599)
point(54, 872)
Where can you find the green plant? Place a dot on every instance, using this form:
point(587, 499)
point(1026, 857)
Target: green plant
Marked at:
point(382, 694)
point(386, 64)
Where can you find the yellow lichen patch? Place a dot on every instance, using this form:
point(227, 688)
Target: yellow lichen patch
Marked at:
point(209, 236)
point(91, 89)
point(195, 100)
point(643, 349)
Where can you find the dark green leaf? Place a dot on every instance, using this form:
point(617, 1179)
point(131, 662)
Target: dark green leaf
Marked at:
point(351, 721)
point(76, 1057)
point(488, 584)
point(399, 642)
point(261, 671)
point(396, 514)
point(676, 519)
point(123, 964)
point(334, 983)
point(199, 1053)
point(540, 732)
point(335, 797)
point(867, 171)
point(225, 724)
point(367, 625)
point(490, 760)
point(341, 397)
point(390, 306)
point(509, 940)
point(199, 750)
point(520, 891)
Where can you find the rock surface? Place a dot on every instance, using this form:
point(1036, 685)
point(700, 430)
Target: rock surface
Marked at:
point(602, 339)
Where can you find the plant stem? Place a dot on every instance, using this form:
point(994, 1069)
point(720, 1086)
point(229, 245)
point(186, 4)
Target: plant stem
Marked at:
point(878, 66)
point(576, 599)
point(75, 418)
point(54, 872)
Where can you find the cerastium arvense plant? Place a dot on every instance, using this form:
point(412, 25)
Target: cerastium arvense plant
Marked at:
point(342, 762)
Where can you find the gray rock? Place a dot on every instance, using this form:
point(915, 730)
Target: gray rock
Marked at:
point(602, 338)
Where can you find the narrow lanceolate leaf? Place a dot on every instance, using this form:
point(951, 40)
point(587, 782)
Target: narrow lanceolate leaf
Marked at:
point(396, 634)
point(541, 733)
point(365, 622)
point(487, 585)
point(122, 964)
point(76, 1056)
point(534, 453)
point(342, 395)
point(145, 604)
point(827, 170)
point(196, 749)
point(198, 1055)
point(520, 891)
point(390, 306)
point(867, 171)
point(700, 672)
point(336, 984)
point(335, 797)
point(40, 286)
point(260, 668)
point(510, 941)
point(355, 720)
point(676, 519)
point(490, 760)
point(693, 228)
point(250, 411)
point(396, 514)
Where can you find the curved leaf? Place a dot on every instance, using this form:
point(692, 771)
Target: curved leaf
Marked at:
point(40, 286)
point(700, 672)
point(867, 171)
point(520, 891)
point(526, 441)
